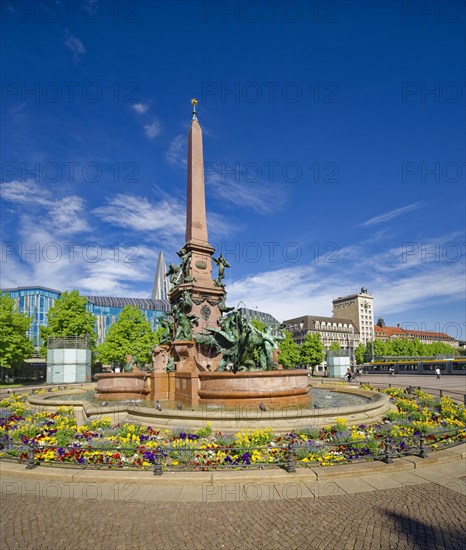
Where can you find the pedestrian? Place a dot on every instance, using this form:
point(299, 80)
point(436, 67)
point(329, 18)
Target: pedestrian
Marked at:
point(391, 370)
point(437, 372)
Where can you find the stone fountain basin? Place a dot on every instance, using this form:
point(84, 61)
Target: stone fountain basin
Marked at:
point(240, 417)
point(277, 387)
point(121, 386)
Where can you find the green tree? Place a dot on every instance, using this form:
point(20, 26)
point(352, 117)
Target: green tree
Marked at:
point(335, 346)
point(159, 335)
point(408, 348)
point(15, 346)
point(312, 351)
point(258, 324)
point(369, 351)
point(415, 347)
point(68, 317)
point(359, 353)
point(130, 335)
point(440, 348)
point(289, 352)
point(380, 348)
point(400, 346)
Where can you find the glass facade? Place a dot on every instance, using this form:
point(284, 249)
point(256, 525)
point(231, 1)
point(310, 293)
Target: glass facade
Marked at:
point(107, 309)
point(265, 318)
point(36, 302)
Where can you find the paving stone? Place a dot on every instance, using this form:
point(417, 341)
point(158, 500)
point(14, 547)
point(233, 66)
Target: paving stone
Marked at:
point(425, 515)
point(354, 485)
point(382, 481)
point(412, 517)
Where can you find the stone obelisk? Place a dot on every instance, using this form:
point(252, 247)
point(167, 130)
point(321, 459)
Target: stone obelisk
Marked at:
point(196, 294)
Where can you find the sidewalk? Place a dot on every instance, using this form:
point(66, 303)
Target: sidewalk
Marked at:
point(445, 468)
point(410, 504)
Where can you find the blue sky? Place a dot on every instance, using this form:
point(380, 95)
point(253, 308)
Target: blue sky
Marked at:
point(334, 139)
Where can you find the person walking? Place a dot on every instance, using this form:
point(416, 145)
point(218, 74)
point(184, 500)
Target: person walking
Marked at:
point(437, 372)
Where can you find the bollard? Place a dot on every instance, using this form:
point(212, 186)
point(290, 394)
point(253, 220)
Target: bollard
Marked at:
point(422, 449)
point(30, 462)
point(387, 456)
point(158, 470)
point(291, 464)
point(441, 393)
point(464, 399)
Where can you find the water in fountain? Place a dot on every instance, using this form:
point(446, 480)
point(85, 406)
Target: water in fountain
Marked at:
point(324, 399)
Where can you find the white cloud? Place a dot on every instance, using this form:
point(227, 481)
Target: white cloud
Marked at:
point(177, 153)
point(140, 108)
point(260, 197)
point(152, 129)
point(219, 226)
point(91, 267)
point(392, 214)
point(75, 46)
point(24, 192)
point(397, 286)
point(166, 217)
point(64, 216)
point(419, 289)
point(285, 293)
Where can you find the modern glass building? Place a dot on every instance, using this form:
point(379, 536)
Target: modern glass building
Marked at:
point(265, 318)
point(106, 310)
point(36, 302)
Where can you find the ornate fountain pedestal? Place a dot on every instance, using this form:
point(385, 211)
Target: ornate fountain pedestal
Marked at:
point(123, 385)
point(276, 387)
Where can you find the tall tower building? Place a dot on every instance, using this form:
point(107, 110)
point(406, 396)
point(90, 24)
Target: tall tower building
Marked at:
point(360, 309)
point(160, 288)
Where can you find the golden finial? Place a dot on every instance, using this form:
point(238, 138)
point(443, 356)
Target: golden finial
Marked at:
point(194, 103)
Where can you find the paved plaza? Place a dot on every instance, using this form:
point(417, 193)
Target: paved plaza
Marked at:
point(453, 383)
point(424, 516)
point(413, 503)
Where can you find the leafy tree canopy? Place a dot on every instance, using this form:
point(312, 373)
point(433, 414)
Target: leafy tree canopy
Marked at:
point(312, 350)
point(69, 317)
point(258, 324)
point(403, 347)
point(335, 346)
point(15, 346)
point(289, 352)
point(132, 334)
point(359, 353)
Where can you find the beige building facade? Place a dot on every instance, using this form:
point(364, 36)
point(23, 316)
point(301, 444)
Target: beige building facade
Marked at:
point(359, 309)
point(384, 334)
point(330, 329)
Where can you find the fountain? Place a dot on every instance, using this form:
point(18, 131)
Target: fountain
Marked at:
point(132, 383)
point(209, 354)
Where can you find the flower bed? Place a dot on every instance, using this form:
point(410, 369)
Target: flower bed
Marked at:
point(55, 438)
